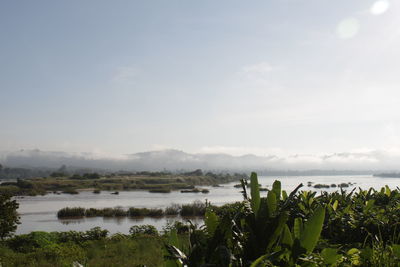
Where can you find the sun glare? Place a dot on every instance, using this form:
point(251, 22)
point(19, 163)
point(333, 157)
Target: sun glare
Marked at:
point(379, 7)
point(347, 28)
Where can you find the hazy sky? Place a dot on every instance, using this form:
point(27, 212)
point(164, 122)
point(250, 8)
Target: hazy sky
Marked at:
point(264, 77)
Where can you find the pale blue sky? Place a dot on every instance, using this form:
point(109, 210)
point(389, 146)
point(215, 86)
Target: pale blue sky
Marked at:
point(264, 77)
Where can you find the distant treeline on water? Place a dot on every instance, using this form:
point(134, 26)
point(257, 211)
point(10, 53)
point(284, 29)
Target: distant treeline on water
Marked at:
point(388, 175)
point(14, 173)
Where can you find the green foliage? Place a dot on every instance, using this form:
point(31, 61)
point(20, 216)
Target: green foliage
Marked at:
point(157, 182)
point(211, 222)
point(8, 216)
point(96, 233)
point(71, 191)
point(357, 228)
point(172, 209)
point(90, 248)
point(256, 229)
point(255, 193)
point(141, 212)
point(21, 187)
point(71, 212)
point(300, 229)
point(312, 230)
point(143, 230)
point(197, 208)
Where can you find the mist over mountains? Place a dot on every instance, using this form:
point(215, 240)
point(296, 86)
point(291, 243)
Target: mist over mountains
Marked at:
point(175, 160)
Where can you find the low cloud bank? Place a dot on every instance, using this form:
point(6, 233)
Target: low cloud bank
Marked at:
point(178, 160)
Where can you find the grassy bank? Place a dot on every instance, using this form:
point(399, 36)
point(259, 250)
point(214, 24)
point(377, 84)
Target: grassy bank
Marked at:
point(91, 248)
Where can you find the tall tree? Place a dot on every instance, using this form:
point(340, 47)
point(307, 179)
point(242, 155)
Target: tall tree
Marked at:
point(9, 218)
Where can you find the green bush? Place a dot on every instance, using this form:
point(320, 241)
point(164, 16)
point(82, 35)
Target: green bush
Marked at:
point(90, 248)
point(155, 213)
point(172, 210)
point(96, 233)
point(138, 212)
point(71, 191)
point(8, 216)
point(71, 212)
point(197, 208)
point(143, 229)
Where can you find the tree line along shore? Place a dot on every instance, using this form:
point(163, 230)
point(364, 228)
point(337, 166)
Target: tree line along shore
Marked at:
point(157, 182)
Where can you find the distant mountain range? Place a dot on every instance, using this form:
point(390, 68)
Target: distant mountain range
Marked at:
point(175, 160)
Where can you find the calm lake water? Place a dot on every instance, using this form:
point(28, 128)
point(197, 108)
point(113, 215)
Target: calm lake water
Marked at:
point(39, 213)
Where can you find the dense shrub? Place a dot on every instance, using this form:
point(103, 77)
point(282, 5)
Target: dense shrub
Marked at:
point(138, 212)
point(155, 212)
point(92, 212)
point(71, 212)
point(197, 208)
point(141, 212)
point(90, 248)
point(143, 229)
point(173, 209)
point(28, 242)
point(8, 216)
point(96, 233)
point(71, 191)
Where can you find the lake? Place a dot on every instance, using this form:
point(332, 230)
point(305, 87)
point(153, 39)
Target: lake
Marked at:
point(39, 213)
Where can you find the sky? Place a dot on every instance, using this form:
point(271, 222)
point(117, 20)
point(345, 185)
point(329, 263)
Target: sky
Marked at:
point(276, 77)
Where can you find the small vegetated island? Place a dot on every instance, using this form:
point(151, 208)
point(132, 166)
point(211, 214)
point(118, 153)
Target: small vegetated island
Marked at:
point(156, 182)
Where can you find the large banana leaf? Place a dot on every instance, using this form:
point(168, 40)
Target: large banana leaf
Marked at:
point(211, 221)
point(255, 193)
point(278, 229)
point(287, 236)
point(312, 230)
point(271, 203)
point(276, 188)
point(297, 228)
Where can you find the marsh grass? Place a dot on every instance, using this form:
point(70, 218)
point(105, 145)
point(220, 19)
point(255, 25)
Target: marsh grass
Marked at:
point(196, 208)
point(71, 191)
point(144, 212)
point(71, 212)
point(172, 210)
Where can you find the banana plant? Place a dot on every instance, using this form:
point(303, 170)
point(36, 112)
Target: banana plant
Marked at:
point(297, 243)
point(257, 230)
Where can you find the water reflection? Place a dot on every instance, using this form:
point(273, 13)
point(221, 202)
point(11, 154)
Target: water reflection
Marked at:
point(72, 220)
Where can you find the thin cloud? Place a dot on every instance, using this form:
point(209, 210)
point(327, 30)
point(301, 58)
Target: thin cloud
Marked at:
point(259, 68)
point(258, 74)
point(126, 75)
point(240, 150)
